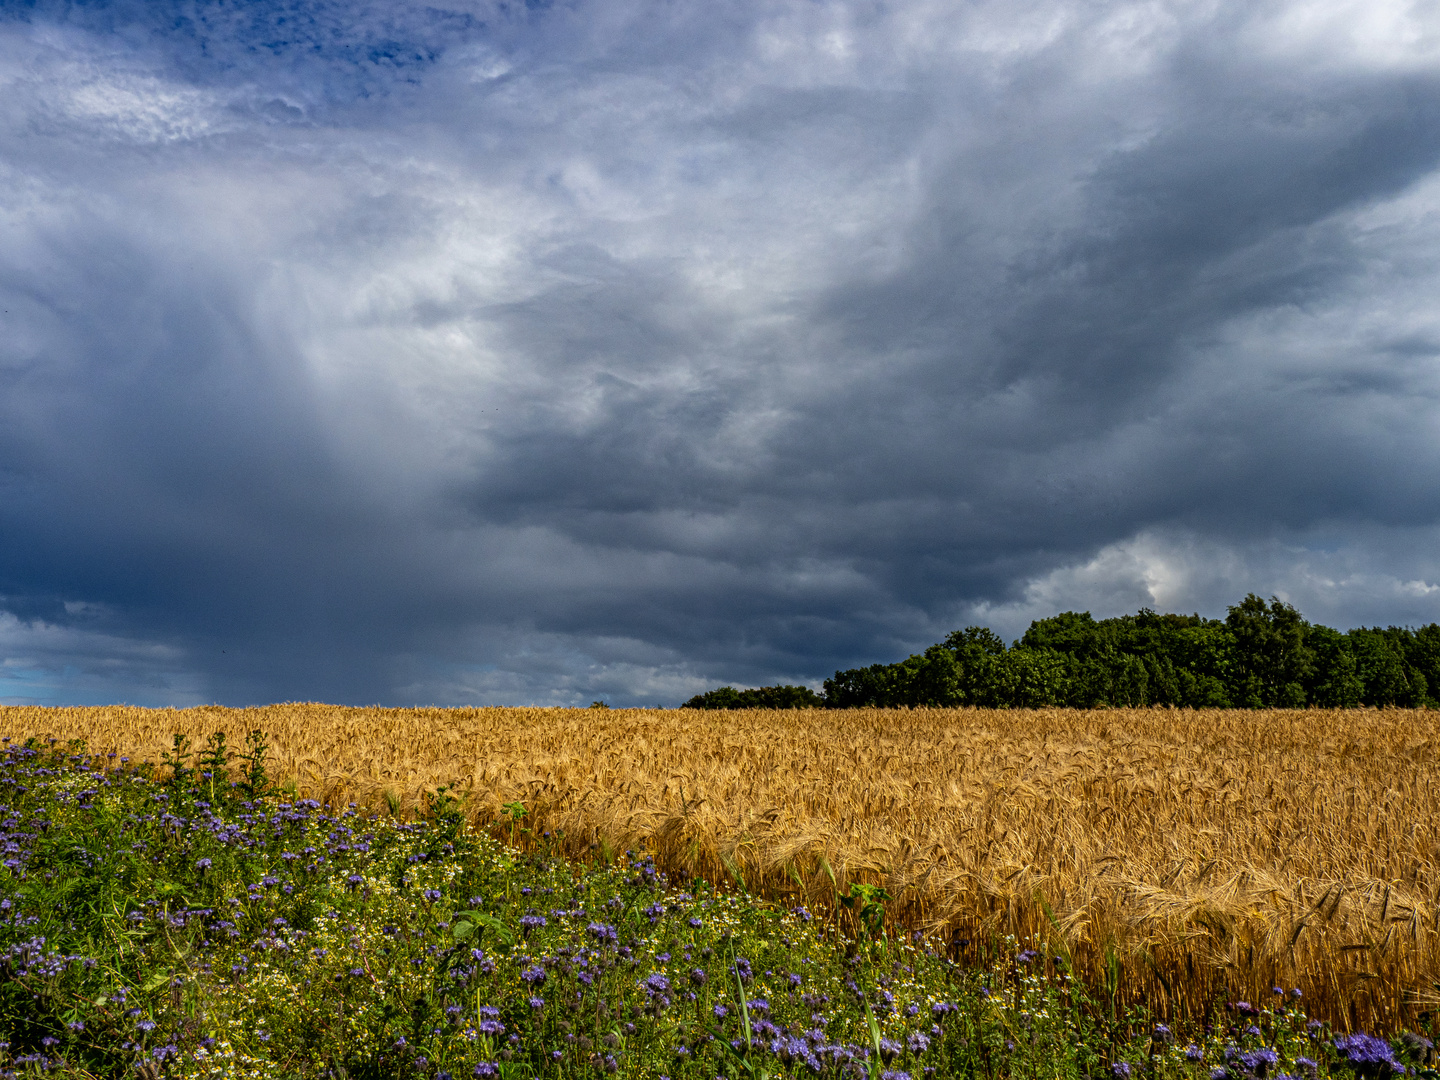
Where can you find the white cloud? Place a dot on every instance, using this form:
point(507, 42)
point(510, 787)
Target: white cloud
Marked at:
point(1342, 584)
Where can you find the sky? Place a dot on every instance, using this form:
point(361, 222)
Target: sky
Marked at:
point(469, 352)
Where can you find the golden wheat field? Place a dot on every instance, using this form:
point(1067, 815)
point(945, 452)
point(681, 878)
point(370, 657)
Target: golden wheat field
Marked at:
point(1194, 853)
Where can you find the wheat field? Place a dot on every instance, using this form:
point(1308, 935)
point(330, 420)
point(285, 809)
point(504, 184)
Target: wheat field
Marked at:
point(1179, 856)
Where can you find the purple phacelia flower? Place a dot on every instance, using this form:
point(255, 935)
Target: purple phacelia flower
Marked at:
point(1368, 1056)
point(1259, 1062)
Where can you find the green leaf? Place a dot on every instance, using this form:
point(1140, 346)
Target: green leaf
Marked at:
point(496, 927)
point(874, 1038)
point(480, 920)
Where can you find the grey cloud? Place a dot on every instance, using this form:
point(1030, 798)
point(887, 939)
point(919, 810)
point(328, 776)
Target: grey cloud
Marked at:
point(475, 353)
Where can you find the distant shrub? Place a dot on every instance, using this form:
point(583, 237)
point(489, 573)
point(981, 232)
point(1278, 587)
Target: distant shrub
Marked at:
point(763, 697)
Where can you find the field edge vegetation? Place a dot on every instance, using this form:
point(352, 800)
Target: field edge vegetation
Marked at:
point(1179, 857)
point(190, 921)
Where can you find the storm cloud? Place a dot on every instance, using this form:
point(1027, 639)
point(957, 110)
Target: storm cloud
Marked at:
point(507, 353)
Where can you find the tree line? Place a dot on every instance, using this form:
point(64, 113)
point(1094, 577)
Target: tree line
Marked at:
point(1263, 654)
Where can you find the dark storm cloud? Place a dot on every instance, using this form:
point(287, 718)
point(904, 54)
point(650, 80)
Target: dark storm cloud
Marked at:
point(514, 353)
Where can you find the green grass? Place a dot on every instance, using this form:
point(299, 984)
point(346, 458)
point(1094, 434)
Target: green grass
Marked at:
point(166, 921)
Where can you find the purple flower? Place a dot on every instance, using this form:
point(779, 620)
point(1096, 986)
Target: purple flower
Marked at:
point(533, 976)
point(537, 1003)
point(202, 864)
point(487, 1068)
point(1369, 1056)
point(656, 984)
point(917, 1043)
point(1260, 1062)
point(1120, 1070)
point(602, 932)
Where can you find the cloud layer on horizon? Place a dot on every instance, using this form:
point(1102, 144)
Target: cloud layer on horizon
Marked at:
point(497, 353)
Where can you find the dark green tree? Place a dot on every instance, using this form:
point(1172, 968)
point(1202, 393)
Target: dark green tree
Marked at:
point(1273, 663)
point(1334, 682)
point(1380, 666)
point(1262, 655)
point(761, 697)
